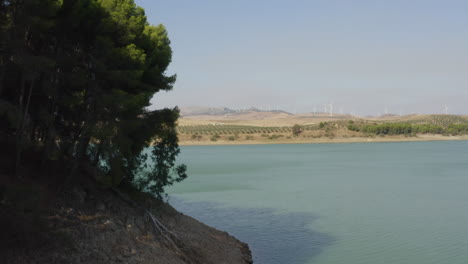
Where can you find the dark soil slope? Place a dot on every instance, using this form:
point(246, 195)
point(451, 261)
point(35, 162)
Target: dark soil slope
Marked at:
point(89, 224)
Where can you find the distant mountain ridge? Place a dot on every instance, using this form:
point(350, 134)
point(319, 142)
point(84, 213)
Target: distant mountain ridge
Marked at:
point(204, 110)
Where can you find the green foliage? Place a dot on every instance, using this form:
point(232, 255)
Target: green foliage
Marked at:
point(77, 76)
point(353, 127)
point(215, 137)
point(457, 129)
point(407, 129)
point(275, 136)
point(296, 130)
point(196, 136)
point(233, 129)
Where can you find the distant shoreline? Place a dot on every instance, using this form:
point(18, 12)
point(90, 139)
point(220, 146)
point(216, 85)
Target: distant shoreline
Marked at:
point(375, 139)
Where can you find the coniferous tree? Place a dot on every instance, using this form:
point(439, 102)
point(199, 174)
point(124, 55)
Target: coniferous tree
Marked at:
point(76, 80)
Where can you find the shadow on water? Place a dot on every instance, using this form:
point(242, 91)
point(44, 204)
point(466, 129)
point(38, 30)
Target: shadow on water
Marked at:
point(274, 238)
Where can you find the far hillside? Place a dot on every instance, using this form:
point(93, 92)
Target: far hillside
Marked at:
point(274, 127)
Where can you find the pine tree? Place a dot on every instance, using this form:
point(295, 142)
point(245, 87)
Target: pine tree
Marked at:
point(76, 78)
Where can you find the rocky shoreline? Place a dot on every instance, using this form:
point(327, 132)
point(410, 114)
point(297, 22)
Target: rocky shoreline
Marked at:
point(91, 225)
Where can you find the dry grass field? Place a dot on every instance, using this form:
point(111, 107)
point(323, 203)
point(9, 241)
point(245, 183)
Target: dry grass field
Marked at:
point(276, 128)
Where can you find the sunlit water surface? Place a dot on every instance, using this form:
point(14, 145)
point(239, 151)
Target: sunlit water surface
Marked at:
point(334, 203)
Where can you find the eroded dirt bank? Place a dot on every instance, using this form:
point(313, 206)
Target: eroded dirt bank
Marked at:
point(88, 224)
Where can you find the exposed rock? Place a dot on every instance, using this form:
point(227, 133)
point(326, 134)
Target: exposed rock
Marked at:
point(106, 229)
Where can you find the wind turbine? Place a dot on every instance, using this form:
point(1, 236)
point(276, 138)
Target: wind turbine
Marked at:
point(446, 109)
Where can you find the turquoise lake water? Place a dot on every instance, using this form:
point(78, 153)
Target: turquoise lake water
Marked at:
point(357, 203)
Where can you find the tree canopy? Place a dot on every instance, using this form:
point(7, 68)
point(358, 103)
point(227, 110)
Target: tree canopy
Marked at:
point(76, 80)
point(296, 130)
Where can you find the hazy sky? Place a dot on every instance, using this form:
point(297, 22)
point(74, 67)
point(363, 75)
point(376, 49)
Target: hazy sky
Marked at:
point(363, 56)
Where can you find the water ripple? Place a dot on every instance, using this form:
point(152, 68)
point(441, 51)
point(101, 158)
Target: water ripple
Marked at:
point(274, 238)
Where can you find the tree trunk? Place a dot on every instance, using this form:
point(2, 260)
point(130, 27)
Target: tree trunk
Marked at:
point(21, 95)
point(2, 77)
point(87, 127)
point(20, 132)
point(50, 134)
point(83, 143)
point(50, 138)
point(26, 108)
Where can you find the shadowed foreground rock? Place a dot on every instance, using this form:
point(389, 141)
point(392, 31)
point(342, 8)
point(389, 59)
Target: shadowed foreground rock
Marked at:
point(97, 226)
